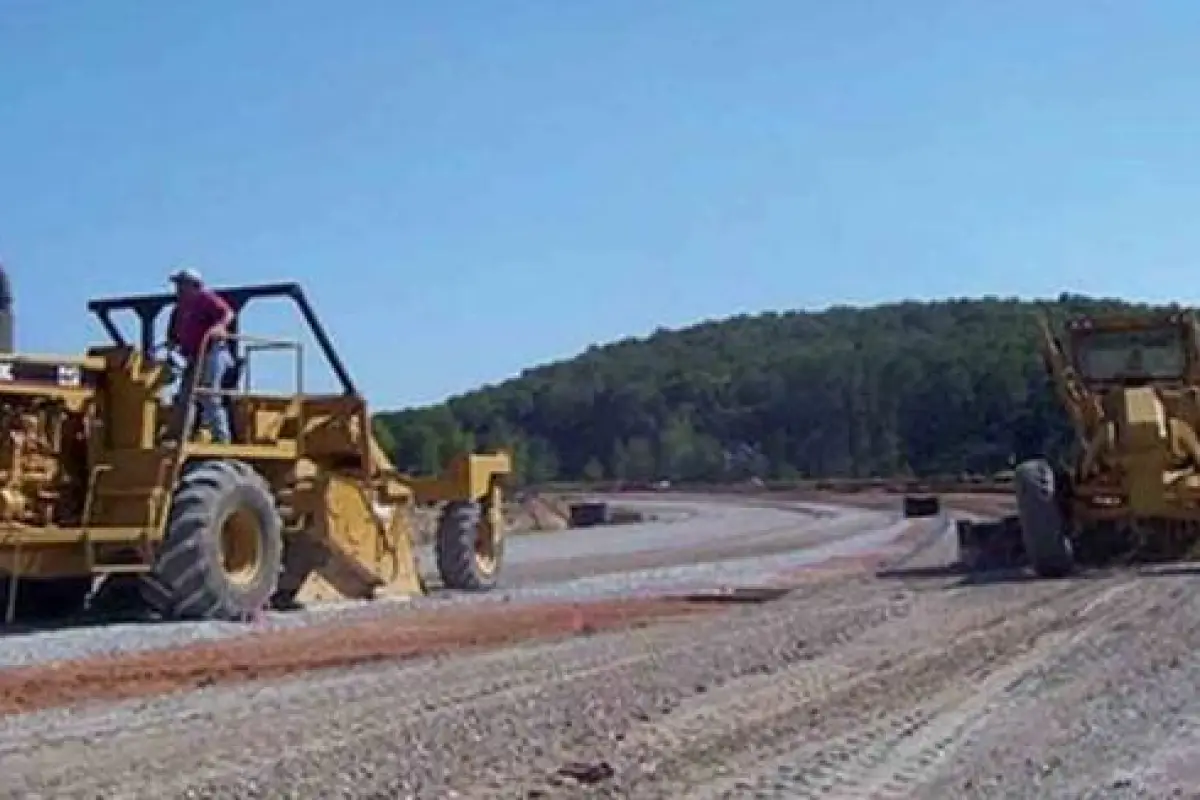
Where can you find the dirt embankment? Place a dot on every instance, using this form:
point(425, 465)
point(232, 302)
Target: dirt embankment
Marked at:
point(877, 500)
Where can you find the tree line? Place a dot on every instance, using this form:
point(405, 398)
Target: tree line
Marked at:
point(902, 389)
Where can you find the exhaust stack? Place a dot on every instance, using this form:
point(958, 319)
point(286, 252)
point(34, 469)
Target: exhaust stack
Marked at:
point(6, 312)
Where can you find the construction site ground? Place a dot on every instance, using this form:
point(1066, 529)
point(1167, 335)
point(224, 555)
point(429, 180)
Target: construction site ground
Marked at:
point(751, 647)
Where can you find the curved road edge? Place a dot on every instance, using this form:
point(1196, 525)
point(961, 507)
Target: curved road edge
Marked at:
point(710, 544)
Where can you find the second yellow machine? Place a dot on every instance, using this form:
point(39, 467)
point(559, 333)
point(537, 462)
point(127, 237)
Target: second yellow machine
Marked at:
point(1129, 491)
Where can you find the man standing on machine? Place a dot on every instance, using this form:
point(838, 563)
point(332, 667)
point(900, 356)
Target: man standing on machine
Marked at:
point(200, 312)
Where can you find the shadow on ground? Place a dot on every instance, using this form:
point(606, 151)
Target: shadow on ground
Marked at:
point(1024, 575)
point(965, 576)
point(34, 624)
point(115, 605)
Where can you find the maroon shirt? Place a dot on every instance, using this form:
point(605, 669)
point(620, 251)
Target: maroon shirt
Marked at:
point(194, 316)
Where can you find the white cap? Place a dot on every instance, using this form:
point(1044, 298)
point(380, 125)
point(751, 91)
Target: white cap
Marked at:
point(186, 274)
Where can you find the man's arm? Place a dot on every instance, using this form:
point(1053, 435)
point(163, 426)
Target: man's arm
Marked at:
point(221, 312)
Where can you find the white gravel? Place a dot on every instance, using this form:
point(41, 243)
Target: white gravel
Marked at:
point(1078, 688)
point(857, 688)
point(683, 526)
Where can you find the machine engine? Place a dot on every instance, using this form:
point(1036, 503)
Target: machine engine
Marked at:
point(43, 453)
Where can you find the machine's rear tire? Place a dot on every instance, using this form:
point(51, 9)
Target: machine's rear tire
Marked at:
point(459, 562)
point(223, 550)
point(1042, 526)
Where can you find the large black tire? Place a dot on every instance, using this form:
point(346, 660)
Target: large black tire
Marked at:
point(1042, 530)
point(223, 548)
point(970, 554)
point(456, 549)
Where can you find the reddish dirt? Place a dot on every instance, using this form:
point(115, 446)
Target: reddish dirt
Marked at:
point(996, 504)
point(983, 503)
point(277, 654)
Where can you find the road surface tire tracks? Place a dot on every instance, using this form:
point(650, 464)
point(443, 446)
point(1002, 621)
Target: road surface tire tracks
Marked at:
point(848, 687)
point(848, 712)
point(897, 756)
point(441, 695)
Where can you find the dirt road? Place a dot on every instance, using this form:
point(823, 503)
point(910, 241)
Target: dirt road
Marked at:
point(849, 686)
point(683, 532)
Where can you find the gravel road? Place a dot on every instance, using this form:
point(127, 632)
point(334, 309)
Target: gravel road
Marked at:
point(694, 544)
point(684, 532)
point(850, 686)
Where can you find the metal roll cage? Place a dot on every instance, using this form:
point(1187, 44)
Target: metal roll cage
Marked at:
point(148, 307)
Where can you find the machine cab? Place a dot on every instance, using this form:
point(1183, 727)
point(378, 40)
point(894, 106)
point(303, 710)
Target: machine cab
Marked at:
point(1127, 351)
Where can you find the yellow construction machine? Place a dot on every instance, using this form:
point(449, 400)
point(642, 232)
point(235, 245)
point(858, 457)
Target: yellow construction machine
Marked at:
point(302, 505)
point(1130, 384)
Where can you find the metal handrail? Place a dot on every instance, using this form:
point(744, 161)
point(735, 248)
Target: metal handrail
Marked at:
point(267, 345)
point(258, 342)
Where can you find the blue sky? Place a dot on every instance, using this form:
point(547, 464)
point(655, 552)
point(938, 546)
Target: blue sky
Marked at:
point(470, 188)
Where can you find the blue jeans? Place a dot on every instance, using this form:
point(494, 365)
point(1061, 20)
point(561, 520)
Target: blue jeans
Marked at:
point(217, 361)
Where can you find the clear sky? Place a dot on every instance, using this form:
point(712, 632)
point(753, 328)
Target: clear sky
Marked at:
point(469, 188)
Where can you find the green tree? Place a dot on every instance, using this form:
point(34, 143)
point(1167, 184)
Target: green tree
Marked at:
point(593, 471)
point(901, 388)
point(640, 463)
point(542, 463)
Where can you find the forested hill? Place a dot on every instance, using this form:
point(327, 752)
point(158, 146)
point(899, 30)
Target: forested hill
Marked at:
point(905, 388)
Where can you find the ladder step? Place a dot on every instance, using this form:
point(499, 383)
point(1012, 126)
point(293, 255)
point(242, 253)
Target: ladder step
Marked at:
point(120, 569)
point(141, 492)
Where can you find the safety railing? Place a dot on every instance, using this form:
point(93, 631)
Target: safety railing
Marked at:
point(253, 345)
point(250, 344)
